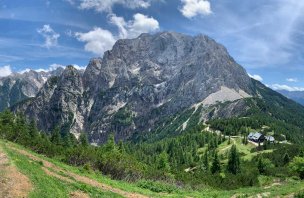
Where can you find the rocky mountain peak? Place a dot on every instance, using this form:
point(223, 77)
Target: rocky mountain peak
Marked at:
point(139, 83)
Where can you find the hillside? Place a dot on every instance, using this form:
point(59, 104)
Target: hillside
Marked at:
point(31, 175)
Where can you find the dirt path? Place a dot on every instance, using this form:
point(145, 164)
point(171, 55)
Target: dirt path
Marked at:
point(13, 184)
point(53, 170)
point(229, 146)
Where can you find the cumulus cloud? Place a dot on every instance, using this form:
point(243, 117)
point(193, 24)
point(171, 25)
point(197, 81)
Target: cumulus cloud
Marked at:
point(97, 40)
point(256, 77)
point(5, 71)
point(50, 36)
point(192, 8)
point(106, 5)
point(52, 67)
point(133, 28)
point(292, 80)
point(141, 24)
point(286, 87)
point(79, 67)
point(100, 40)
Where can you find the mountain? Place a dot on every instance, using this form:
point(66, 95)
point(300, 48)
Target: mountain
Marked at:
point(163, 83)
point(297, 96)
point(21, 86)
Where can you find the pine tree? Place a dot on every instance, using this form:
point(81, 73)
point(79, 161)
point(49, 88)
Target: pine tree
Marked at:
point(205, 161)
point(83, 140)
point(233, 165)
point(265, 145)
point(163, 162)
point(286, 159)
point(301, 153)
point(67, 142)
point(56, 136)
point(121, 146)
point(110, 145)
point(33, 129)
point(215, 167)
point(261, 166)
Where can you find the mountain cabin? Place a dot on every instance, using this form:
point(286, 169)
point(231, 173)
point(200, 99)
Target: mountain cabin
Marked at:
point(256, 137)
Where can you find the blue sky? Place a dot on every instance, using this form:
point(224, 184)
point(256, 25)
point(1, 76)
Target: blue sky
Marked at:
point(264, 36)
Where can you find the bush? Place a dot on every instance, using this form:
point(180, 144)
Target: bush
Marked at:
point(299, 195)
point(157, 186)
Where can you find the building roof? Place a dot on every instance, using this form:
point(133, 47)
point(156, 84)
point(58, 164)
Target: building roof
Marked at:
point(250, 135)
point(270, 138)
point(255, 135)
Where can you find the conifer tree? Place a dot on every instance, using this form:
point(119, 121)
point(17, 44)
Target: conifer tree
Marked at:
point(265, 145)
point(121, 146)
point(56, 136)
point(205, 161)
point(83, 140)
point(215, 167)
point(261, 167)
point(33, 129)
point(233, 165)
point(163, 162)
point(286, 159)
point(301, 153)
point(110, 145)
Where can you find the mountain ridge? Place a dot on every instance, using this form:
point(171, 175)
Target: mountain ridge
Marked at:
point(140, 83)
point(20, 86)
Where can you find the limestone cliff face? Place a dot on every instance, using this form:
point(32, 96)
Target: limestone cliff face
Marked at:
point(139, 83)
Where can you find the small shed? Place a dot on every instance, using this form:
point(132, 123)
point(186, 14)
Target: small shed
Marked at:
point(270, 139)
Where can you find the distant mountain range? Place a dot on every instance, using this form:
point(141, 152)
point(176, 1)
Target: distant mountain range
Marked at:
point(21, 86)
point(165, 82)
point(297, 96)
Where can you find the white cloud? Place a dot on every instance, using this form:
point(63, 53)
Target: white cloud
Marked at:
point(100, 40)
point(292, 80)
point(286, 87)
point(24, 71)
point(133, 28)
point(192, 8)
point(5, 71)
point(256, 77)
point(141, 24)
point(50, 36)
point(79, 67)
point(97, 40)
point(52, 67)
point(106, 5)
point(120, 23)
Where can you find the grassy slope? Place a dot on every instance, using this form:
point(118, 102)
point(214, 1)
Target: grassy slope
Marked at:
point(47, 186)
point(244, 150)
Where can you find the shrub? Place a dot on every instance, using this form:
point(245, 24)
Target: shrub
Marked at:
point(157, 186)
point(299, 195)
